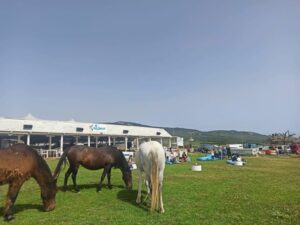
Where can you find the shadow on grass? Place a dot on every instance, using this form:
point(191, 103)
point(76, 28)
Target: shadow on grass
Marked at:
point(88, 186)
point(22, 207)
point(129, 196)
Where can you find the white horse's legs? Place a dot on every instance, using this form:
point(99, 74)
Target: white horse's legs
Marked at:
point(161, 204)
point(138, 198)
point(148, 185)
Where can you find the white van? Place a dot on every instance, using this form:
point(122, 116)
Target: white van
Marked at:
point(236, 146)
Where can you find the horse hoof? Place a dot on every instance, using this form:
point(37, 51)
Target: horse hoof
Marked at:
point(8, 217)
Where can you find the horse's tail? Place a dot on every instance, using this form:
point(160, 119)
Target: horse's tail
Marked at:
point(154, 181)
point(62, 160)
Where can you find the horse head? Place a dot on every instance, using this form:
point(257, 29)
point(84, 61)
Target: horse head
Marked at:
point(48, 195)
point(127, 178)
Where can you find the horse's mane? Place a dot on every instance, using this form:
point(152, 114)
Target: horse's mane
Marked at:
point(122, 163)
point(42, 164)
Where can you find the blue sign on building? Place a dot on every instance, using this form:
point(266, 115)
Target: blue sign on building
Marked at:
point(99, 128)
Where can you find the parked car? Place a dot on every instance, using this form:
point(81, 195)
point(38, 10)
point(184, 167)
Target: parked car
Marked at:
point(284, 149)
point(295, 148)
point(268, 150)
point(205, 148)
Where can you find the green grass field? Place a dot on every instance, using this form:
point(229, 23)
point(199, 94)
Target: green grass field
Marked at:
point(265, 191)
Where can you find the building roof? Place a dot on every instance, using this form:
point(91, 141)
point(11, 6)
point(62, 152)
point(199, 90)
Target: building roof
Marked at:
point(32, 125)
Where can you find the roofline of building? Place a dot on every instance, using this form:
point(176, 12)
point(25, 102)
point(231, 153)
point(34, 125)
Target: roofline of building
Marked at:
point(53, 127)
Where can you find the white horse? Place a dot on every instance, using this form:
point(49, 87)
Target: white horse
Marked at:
point(150, 159)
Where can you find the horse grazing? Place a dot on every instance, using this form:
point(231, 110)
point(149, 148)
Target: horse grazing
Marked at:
point(17, 164)
point(93, 159)
point(150, 159)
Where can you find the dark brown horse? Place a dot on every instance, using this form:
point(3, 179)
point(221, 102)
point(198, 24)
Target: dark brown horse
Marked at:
point(17, 164)
point(94, 159)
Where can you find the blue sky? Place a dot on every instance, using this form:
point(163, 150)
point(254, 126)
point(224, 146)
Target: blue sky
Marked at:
point(207, 65)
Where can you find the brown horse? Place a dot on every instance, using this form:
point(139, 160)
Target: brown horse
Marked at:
point(93, 159)
point(17, 164)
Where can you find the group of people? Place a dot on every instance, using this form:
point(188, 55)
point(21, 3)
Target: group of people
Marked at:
point(237, 157)
point(221, 153)
point(174, 157)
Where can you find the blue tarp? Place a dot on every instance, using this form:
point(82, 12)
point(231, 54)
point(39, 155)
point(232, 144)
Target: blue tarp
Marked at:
point(206, 158)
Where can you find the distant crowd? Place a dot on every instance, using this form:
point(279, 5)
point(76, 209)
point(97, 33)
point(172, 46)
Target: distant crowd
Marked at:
point(173, 156)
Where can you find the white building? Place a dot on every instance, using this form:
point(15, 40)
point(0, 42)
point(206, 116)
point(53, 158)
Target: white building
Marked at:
point(29, 126)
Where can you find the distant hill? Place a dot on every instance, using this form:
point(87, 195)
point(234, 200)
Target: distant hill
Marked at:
point(212, 137)
point(219, 136)
point(128, 124)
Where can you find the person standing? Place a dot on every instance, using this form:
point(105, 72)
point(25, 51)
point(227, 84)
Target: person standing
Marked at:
point(228, 152)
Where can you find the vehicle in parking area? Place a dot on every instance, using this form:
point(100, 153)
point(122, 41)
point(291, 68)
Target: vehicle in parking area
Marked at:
point(205, 148)
point(268, 150)
point(274, 149)
point(236, 146)
point(295, 148)
point(284, 149)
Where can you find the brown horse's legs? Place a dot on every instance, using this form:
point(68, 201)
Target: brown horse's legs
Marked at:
point(106, 169)
point(67, 174)
point(74, 174)
point(108, 178)
point(12, 195)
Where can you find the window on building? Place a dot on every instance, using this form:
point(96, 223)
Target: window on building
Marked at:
point(79, 129)
point(125, 131)
point(27, 127)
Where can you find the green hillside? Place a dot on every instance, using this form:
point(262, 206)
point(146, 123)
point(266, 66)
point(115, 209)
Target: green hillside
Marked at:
point(211, 137)
point(218, 136)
